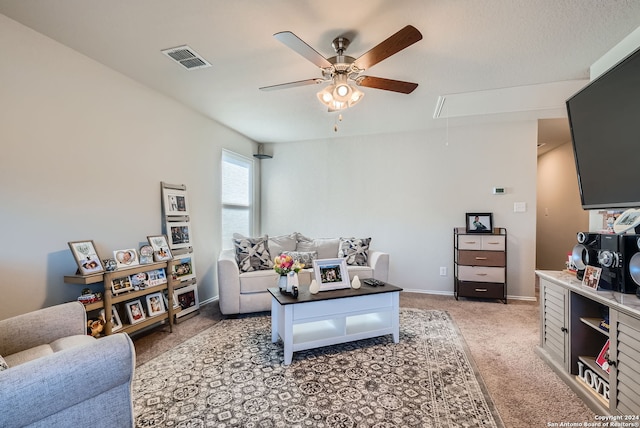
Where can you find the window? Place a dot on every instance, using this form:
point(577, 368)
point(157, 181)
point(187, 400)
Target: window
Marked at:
point(237, 196)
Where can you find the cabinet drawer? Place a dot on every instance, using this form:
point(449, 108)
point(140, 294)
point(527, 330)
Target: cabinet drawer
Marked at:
point(481, 242)
point(493, 242)
point(486, 290)
point(481, 273)
point(469, 242)
point(481, 258)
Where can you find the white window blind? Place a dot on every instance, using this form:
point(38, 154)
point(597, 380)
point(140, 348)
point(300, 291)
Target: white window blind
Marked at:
point(237, 196)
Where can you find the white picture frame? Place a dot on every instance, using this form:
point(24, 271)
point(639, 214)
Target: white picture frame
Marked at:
point(175, 202)
point(179, 234)
point(187, 298)
point(155, 304)
point(331, 274)
point(160, 247)
point(135, 311)
point(183, 268)
point(126, 258)
point(116, 323)
point(86, 257)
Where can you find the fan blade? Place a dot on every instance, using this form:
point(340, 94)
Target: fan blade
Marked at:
point(394, 44)
point(295, 43)
point(386, 84)
point(292, 84)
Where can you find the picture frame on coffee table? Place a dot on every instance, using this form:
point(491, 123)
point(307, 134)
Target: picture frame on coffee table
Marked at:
point(479, 222)
point(331, 274)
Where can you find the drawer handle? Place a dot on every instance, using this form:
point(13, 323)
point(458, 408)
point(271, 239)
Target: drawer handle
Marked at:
point(481, 258)
point(564, 330)
point(470, 242)
point(611, 363)
point(483, 290)
point(481, 274)
point(493, 243)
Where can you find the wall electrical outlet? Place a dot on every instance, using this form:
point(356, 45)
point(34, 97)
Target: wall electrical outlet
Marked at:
point(443, 271)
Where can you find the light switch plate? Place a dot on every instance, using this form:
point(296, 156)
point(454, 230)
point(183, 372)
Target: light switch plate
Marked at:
point(519, 207)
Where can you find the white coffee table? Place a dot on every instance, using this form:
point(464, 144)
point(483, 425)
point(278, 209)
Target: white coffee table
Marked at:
point(332, 317)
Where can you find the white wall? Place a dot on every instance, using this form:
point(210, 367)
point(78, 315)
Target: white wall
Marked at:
point(408, 192)
point(560, 215)
point(83, 152)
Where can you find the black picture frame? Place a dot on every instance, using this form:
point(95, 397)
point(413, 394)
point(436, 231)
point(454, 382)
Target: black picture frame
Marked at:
point(479, 222)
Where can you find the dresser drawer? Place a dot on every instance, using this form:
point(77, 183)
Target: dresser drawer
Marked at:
point(481, 242)
point(493, 242)
point(485, 290)
point(481, 273)
point(481, 258)
point(469, 242)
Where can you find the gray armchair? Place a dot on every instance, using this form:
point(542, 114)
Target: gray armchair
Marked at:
point(58, 376)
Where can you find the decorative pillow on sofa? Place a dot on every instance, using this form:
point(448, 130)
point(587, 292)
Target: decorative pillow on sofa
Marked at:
point(327, 248)
point(306, 258)
point(252, 253)
point(3, 364)
point(279, 244)
point(356, 251)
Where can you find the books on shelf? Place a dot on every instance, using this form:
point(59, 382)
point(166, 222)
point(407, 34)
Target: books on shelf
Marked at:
point(603, 357)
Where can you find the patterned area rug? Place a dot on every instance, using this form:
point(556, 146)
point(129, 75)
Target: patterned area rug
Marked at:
point(231, 375)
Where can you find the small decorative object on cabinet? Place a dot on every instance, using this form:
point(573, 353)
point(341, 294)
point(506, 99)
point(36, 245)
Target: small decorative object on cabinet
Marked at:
point(480, 264)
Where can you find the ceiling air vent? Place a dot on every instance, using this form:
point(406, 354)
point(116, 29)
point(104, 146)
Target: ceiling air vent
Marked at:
point(186, 57)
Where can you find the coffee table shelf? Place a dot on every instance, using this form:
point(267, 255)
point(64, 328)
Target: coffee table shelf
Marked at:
point(333, 317)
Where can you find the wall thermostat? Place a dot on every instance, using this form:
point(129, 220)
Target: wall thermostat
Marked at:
point(498, 191)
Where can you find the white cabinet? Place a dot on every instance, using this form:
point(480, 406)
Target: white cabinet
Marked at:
point(573, 333)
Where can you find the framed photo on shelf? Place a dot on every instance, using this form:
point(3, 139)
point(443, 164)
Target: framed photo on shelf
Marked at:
point(155, 304)
point(120, 285)
point(179, 234)
point(126, 258)
point(187, 298)
point(175, 202)
point(591, 276)
point(479, 222)
point(135, 311)
point(116, 324)
point(86, 256)
point(183, 268)
point(160, 247)
point(331, 274)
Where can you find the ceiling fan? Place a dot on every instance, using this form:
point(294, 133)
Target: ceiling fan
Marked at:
point(342, 69)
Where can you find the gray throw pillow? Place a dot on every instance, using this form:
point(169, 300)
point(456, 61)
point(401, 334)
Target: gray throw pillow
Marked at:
point(252, 253)
point(306, 258)
point(355, 250)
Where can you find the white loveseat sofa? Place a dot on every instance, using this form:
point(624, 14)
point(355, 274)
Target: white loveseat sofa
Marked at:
point(243, 285)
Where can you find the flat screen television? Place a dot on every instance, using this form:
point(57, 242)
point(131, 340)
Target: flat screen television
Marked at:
point(604, 118)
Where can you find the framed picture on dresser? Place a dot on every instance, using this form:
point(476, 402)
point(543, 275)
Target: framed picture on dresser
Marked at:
point(479, 222)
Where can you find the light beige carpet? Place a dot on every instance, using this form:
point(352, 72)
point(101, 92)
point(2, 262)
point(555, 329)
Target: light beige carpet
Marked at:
point(501, 339)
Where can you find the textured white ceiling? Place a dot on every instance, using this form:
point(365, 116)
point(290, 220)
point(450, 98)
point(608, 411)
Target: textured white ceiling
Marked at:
point(468, 46)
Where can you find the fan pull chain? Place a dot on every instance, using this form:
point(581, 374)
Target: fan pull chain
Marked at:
point(338, 119)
